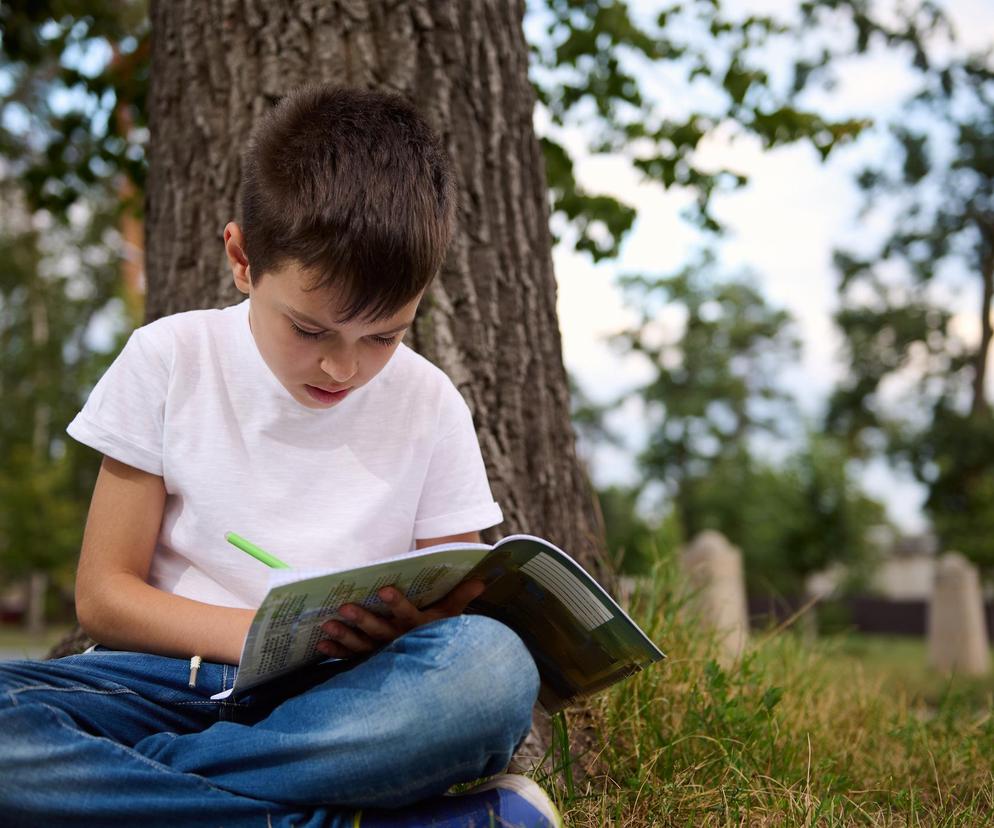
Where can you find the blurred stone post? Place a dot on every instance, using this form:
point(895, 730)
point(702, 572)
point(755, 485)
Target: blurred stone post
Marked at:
point(957, 632)
point(629, 586)
point(714, 567)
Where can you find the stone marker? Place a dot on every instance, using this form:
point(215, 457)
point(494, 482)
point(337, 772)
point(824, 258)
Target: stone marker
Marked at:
point(629, 586)
point(957, 632)
point(714, 567)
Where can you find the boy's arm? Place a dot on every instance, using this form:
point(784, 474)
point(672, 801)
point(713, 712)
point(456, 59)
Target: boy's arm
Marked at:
point(465, 537)
point(114, 603)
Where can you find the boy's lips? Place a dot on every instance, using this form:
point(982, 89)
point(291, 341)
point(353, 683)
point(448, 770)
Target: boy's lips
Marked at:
point(325, 396)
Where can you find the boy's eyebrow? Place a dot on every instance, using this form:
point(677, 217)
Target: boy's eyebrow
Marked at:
point(303, 317)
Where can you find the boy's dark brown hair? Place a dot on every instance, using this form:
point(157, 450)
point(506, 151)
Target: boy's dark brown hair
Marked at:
point(355, 187)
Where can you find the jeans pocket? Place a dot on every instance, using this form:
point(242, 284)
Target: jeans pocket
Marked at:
point(160, 678)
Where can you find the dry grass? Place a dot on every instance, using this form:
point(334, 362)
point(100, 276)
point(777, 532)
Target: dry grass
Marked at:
point(837, 732)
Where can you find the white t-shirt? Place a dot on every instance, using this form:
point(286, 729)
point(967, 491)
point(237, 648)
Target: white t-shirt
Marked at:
point(191, 399)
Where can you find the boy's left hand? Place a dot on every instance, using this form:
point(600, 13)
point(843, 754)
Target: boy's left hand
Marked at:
point(372, 631)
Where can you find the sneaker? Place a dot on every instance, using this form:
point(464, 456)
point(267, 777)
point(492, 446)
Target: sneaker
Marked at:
point(504, 801)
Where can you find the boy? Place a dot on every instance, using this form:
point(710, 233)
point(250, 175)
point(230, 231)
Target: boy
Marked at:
point(299, 419)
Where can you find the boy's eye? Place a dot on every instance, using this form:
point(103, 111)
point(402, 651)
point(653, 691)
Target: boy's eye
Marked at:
point(384, 340)
point(305, 334)
point(378, 340)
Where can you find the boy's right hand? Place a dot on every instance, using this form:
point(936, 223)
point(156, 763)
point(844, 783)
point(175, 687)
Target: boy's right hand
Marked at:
point(373, 631)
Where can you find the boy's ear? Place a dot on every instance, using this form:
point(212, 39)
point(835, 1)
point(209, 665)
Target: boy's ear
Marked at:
point(234, 249)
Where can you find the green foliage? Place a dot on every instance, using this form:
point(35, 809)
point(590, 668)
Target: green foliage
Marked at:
point(41, 523)
point(899, 307)
point(790, 519)
point(756, 507)
point(716, 359)
point(71, 117)
point(831, 516)
point(73, 114)
point(52, 290)
point(635, 544)
point(593, 59)
point(955, 459)
point(716, 375)
point(584, 211)
point(591, 64)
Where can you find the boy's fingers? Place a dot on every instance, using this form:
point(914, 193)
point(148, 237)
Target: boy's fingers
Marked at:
point(348, 638)
point(332, 649)
point(377, 628)
point(407, 616)
point(455, 602)
point(404, 612)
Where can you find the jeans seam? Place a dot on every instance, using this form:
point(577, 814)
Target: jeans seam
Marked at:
point(11, 694)
point(189, 703)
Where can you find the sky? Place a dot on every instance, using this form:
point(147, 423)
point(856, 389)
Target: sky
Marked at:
point(783, 227)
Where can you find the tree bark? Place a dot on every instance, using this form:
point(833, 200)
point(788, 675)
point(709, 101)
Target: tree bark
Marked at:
point(34, 616)
point(980, 406)
point(490, 319)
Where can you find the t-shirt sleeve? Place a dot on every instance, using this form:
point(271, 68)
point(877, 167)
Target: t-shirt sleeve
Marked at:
point(123, 416)
point(456, 496)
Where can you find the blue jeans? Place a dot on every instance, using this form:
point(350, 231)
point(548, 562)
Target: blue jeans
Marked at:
point(118, 738)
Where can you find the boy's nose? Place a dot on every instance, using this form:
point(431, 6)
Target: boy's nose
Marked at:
point(341, 369)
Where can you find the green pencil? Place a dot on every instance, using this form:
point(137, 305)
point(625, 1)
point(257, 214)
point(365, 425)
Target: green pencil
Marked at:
point(255, 551)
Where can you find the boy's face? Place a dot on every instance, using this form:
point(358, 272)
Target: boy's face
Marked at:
point(318, 359)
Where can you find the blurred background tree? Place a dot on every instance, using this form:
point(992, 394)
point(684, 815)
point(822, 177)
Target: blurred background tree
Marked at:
point(55, 283)
point(918, 387)
point(73, 85)
point(72, 100)
point(717, 419)
point(714, 388)
point(65, 165)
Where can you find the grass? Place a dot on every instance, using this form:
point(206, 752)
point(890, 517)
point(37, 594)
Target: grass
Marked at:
point(848, 730)
point(901, 666)
point(844, 731)
point(16, 642)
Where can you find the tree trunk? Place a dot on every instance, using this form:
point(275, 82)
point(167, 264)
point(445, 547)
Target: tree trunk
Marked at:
point(34, 616)
point(490, 319)
point(980, 406)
